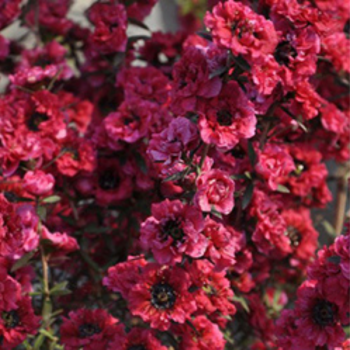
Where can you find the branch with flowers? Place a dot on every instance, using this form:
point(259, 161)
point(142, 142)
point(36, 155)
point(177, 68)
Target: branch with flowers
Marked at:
point(156, 189)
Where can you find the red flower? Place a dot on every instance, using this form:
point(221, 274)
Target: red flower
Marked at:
point(88, 329)
point(204, 335)
point(192, 80)
point(228, 118)
point(131, 121)
point(215, 191)
point(161, 296)
point(236, 27)
point(172, 231)
point(123, 276)
point(38, 183)
point(136, 339)
point(16, 323)
point(110, 22)
point(274, 165)
point(224, 242)
point(212, 290)
point(318, 318)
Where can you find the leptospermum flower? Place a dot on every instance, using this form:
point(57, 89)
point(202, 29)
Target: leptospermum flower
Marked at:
point(174, 229)
point(161, 295)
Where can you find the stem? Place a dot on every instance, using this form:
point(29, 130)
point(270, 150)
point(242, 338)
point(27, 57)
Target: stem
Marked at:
point(341, 200)
point(204, 155)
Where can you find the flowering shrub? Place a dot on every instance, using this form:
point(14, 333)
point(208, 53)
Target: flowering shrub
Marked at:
point(156, 189)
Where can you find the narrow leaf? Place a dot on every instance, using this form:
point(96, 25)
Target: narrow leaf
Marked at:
point(282, 189)
point(22, 261)
point(52, 199)
point(248, 194)
point(251, 154)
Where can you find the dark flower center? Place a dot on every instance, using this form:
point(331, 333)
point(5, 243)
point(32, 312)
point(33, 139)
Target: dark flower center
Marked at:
point(35, 120)
point(132, 118)
point(88, 330)
point(137, 347)
point(224, 118)
point(173, 229)
point(163, 296)
point(323, 313)
point(284, 51)
point(294, 235)
point(108, 180)
point(347, 28)
point(11, 319)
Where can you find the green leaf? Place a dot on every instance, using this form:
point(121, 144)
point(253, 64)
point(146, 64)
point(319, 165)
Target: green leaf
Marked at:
point(41, 211)
point(251, 154)
point(176, 176)
point(282, 189)
point(141, 163)
point(39, 342)
point(242, 301)
point(248, 194)
point(216, 213)
point(52, 199)
point(47, 334)
point(329, 228)
point(92, 228)
point(60, 289)
point(205, 35)
point(335, 259)
point(138, 23)
point(22, 261)
point(218, 72)
point(241, 63)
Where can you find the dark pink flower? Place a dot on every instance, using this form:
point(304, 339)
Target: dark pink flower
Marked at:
point(137, 339)
point(161, 296)
point(204, 335)
point(90, 329)
point(317, 318)
point(228, 118)
point(17, 323)
point(274, 164)
point(192, 80)
point(224, 242)
point(215, 191)
point(236, 27)
point(38, 183)
point(174, 229)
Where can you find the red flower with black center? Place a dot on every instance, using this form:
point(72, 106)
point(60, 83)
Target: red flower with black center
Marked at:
point(16, 323)
point(172, 231)
point(161, 296)
point(88, 329)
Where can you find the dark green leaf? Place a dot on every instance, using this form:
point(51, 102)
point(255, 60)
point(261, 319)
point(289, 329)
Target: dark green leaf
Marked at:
point(216, 213)
point(241, 63)
point(41, 211)
point(248, 194)
point(218, 72)
point(176, 176)
point(141, 163)
point(136, 22)
point(335, 259)
point(205, 35)
point(22, 261)
point(251, 154)
point(242, 301)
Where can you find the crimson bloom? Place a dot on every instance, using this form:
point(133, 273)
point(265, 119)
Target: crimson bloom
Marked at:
point(173, 229)
point(161, 296)
point(90, 329)
point(215, 191)
point(228, 118)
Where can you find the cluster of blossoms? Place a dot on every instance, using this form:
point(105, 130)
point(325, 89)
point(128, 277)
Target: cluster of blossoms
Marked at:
point(156, 189)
